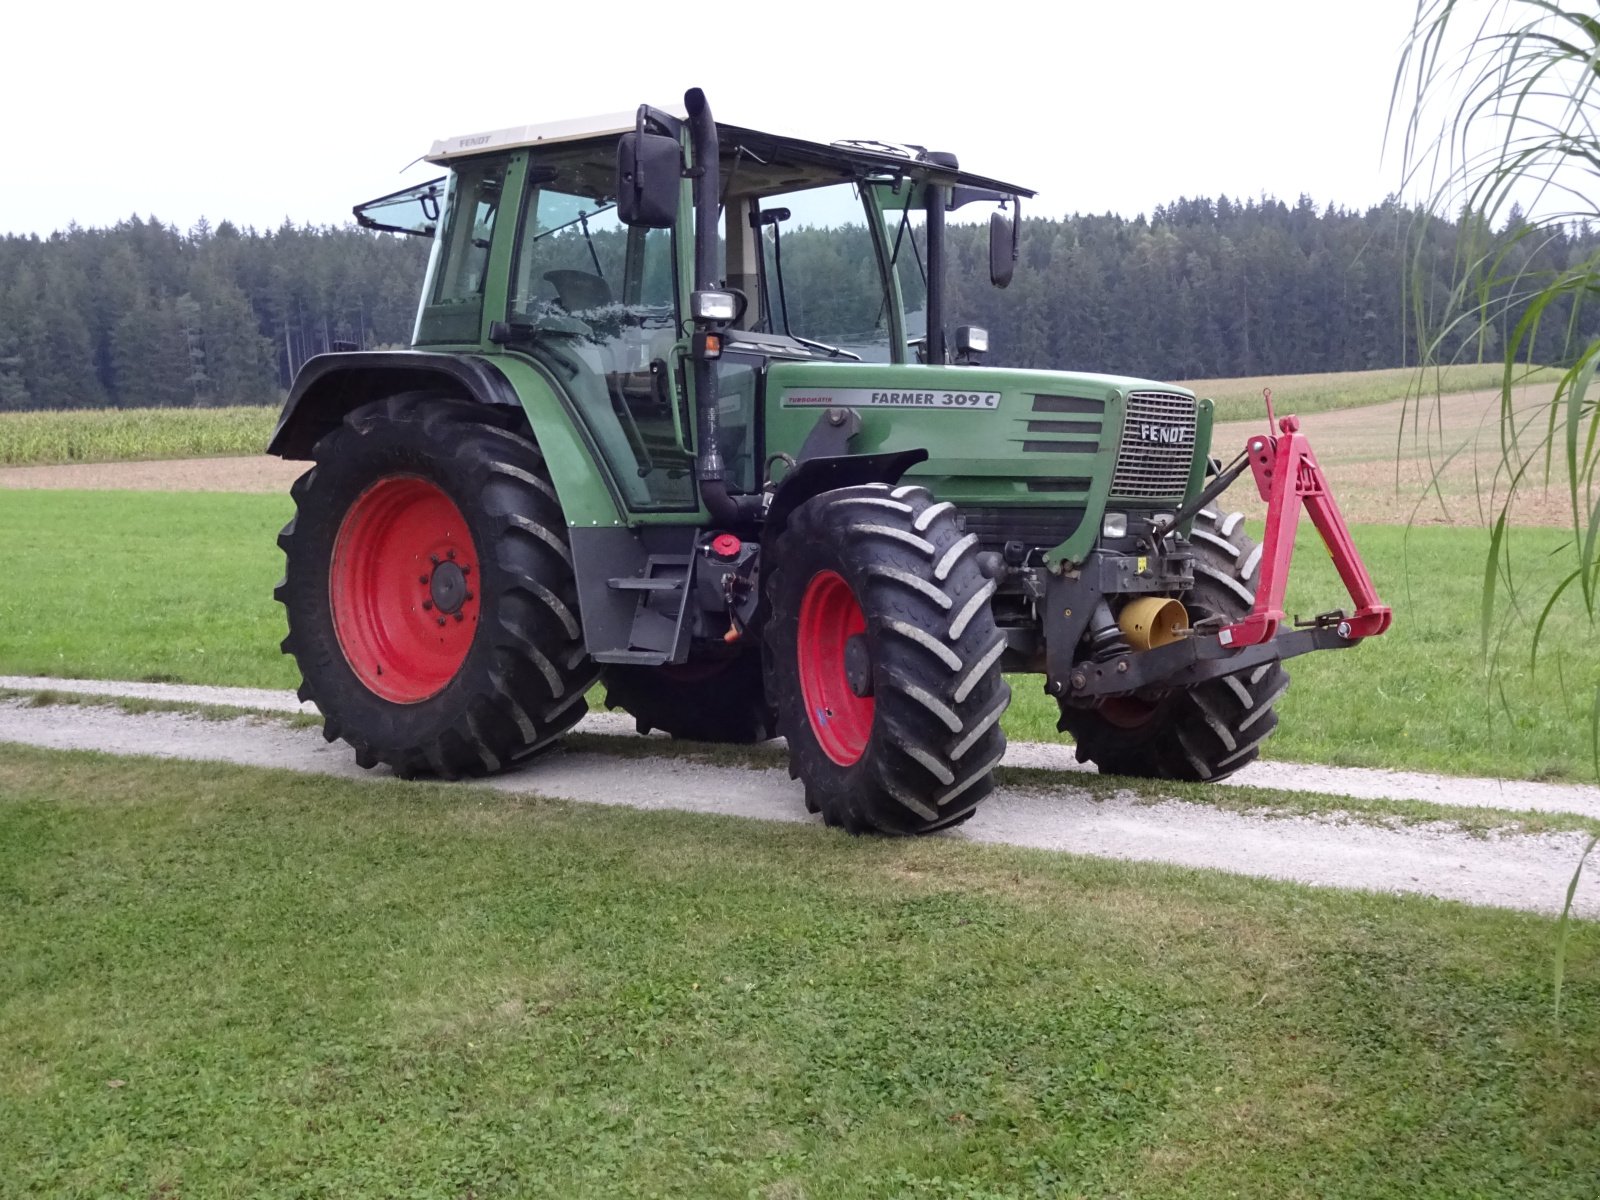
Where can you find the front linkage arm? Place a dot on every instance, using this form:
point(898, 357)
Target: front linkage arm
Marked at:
point(1287, 476)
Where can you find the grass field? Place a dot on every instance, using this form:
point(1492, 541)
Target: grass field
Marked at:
point(222, 982)
point(178, 588)
point(116, 435)
point(1240, 399)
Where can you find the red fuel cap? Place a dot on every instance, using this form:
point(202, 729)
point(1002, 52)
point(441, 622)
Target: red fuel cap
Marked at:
point(726, 545)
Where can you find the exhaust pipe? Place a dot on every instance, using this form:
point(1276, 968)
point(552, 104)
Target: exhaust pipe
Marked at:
point(710, 469)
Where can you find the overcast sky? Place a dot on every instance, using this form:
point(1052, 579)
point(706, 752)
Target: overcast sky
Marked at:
point(290, 110)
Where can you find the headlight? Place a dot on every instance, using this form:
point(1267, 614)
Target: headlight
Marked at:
point(713, 306)
point(1115, 525)
point(972, 339)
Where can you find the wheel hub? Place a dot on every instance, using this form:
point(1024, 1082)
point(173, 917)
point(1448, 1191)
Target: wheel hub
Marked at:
point(858, 665)
point(448, 587)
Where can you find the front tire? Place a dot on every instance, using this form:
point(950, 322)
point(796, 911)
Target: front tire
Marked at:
point(429, 590)
point(1207, 732)
point(884, 660)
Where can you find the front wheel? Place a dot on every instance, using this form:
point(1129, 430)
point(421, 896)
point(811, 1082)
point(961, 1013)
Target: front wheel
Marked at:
point(429, 590)
point(884, 660)
point(1206, 732)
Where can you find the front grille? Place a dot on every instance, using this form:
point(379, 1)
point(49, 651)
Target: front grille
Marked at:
point(1031, 525)
point(1157, 450)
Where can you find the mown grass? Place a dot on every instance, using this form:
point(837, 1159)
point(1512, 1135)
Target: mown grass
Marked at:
point(178, 588)
point(118, 435)
point(223, 982)
point(1240, 399)
point(154, 586)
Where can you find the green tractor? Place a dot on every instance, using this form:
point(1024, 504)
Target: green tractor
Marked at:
point(631, 444)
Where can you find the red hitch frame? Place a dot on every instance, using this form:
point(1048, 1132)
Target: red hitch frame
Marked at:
point(1288, 476)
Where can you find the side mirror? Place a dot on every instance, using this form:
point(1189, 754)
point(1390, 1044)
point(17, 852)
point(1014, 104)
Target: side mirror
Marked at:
point(1002, 248)
point(649, 170)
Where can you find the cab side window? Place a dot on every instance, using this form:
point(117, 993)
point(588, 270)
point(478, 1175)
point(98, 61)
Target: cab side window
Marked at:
point(453, 311)
point(600, 298)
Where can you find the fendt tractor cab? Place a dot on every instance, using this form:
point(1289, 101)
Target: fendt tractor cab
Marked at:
point(684, 413)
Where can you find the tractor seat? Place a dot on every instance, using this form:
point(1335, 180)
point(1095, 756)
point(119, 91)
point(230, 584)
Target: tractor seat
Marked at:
point(579, 290)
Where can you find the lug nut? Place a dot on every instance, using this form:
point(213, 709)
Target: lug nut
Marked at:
point(423, 580)
point(1079, 679)
point(468, 596)
point(466, 568)
point(459, 617)
point(441, 620)
point(427, 606)
point(1122, 668)
point(434, 559)
point(450, 553)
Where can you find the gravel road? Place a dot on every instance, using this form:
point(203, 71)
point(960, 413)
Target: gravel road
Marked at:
point(1526, 872)
point(1358, 783)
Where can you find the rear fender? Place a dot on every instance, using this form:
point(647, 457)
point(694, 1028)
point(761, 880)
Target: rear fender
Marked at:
point(331, 385)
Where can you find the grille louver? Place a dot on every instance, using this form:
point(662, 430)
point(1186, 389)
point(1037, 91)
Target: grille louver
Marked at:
point(1157, 449)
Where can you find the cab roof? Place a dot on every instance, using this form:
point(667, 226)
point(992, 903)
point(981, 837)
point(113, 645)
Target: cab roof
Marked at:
point(848, 156)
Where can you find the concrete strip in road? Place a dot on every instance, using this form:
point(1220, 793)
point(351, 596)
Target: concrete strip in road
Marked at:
point(1358, 783)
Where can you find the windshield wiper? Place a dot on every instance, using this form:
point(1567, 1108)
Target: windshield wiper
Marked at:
point(830, 351)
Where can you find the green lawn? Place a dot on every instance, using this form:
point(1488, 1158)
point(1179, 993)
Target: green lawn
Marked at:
point(222, 982)
point(178, 587)
point(143, 585)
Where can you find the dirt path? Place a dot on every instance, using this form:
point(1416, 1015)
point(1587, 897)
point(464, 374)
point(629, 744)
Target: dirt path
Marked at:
point(1425, 461)
point(1527, 872)
point(257, 473)
point(1358, 783)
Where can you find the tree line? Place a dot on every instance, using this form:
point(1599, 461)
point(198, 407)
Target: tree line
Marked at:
point(141, 314)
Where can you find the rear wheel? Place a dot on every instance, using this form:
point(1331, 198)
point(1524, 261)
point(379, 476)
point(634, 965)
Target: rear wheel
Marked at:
point(884, 660)
point(1201, 733)
point(429, 591)
point(723, 700)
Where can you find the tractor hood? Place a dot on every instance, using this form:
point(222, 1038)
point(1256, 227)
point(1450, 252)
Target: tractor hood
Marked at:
point(1060, 445)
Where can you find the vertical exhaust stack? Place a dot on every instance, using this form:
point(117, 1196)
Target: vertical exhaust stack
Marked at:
point(710, 470)
point(938, 204)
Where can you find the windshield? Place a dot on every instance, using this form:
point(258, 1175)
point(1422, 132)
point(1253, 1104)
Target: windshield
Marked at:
point(819, 277)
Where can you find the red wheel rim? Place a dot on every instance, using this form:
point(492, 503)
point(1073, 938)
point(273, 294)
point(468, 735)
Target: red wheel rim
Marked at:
point(403, 589)
point(829, 618)
point(1126, 712)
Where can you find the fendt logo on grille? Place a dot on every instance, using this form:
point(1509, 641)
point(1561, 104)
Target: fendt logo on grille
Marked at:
point(1165, 435)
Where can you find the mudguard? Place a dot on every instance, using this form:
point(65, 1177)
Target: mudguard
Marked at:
point(331, 385)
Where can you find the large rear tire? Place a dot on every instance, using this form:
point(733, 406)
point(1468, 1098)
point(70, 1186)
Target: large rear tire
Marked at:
point(719, 701)
point(429, 591)
point(1204, 733)
point(884, 660)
